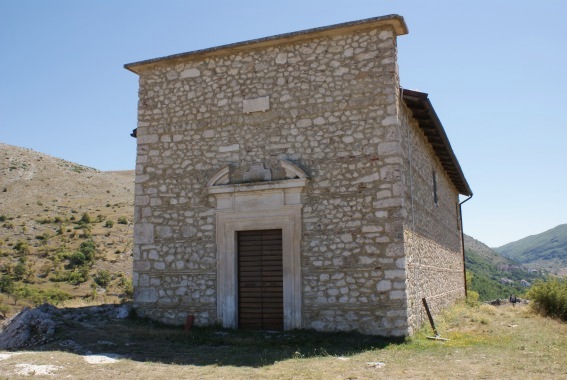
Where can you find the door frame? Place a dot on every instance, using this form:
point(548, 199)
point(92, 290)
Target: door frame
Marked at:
point(266, 204)
point(288, 219)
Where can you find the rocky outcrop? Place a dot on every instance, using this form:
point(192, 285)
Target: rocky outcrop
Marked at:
point(34, 327)
point(29, 327)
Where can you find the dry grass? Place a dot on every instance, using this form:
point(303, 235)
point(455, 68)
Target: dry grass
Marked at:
point(485, 342)
point(85, 302)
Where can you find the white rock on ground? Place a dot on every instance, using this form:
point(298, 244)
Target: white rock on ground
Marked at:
point(102, 358)
point(34, 369)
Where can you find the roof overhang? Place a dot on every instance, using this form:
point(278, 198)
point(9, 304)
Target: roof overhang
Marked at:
point(396, 22)
point(423, 112)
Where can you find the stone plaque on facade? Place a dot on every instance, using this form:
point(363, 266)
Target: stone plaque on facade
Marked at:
point(257, 173)
point(256, 104)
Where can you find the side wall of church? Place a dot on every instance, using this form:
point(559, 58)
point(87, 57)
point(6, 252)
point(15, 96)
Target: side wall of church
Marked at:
point(432, 235)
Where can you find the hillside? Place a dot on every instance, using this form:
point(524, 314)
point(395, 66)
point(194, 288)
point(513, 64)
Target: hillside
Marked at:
point(489, 268)
point(546, 250)
point(65, 229)
point(486, 253)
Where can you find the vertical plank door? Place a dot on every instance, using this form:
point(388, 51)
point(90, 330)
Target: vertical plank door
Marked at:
point(260, 280)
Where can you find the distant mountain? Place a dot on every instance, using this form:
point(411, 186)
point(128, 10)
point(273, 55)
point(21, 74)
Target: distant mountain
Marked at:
point(495, 276)
point(546, 250)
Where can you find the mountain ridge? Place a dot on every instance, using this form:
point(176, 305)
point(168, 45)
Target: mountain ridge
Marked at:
point(546, 250)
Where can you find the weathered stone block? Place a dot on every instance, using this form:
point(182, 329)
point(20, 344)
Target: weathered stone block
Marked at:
point(143, 233)
point(256, 104)
point(190, 73)
point(145, 295)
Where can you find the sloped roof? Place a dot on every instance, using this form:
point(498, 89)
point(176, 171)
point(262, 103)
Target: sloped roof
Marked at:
point(395, 21)
point(423, 112)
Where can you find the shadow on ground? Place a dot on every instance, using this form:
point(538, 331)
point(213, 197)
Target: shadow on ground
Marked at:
point(143, 340)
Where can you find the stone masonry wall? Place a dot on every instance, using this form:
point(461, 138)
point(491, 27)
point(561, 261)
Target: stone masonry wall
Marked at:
point(431, 232)
point(332, 111)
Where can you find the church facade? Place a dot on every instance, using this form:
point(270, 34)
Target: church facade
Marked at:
point(289, 182)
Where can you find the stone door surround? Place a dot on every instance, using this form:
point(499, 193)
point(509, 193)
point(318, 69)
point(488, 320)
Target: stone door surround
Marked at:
point(258, 205)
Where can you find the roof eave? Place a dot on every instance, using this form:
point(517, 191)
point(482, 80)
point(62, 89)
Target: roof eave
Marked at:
point(395, 21)
point(424, 113)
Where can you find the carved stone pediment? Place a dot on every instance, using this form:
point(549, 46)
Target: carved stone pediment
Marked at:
point(270, 170)
point(258, 186)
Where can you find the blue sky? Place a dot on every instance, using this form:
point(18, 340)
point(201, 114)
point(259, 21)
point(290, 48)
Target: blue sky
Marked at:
point(495, 72)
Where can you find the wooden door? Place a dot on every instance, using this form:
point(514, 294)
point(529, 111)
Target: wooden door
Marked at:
point(260, 280)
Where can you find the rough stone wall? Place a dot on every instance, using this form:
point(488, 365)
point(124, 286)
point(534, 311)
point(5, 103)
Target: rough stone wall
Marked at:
point(431, 231)
point(354, 265)
point(332, 111)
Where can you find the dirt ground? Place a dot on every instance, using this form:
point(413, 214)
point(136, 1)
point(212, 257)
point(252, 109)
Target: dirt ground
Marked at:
point(485, 342)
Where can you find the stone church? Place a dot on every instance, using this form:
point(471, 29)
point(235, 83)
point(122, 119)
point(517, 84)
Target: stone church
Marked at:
point(289, 182)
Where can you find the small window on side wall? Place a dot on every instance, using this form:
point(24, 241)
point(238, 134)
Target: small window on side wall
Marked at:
point(435, 197)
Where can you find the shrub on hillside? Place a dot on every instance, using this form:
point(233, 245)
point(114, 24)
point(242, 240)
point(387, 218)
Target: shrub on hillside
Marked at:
point(85, 218)
point(103, 278)
point(6, 284)
point(84, 224)
point(20, 271)
point(85, 256)
point(46, 220)
point(78, 276)
point(88, 248)
point(472, 298)
point(122, 220)
point(22, 248)
point(39, 296)
point(126, 284)
point(77, 259)
point(43, 237)
point(75, 277)
point(109, 223)
point(550, 297)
